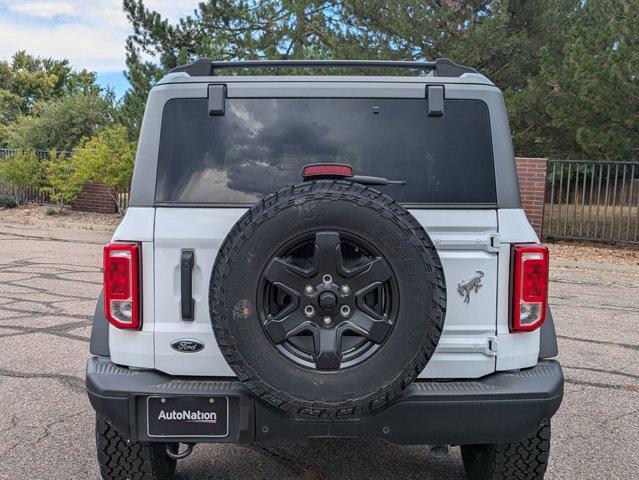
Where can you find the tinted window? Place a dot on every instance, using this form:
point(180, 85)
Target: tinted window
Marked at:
point(260, 145)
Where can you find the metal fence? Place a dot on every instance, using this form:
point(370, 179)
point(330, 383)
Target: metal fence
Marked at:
point(122, 199)
point(592, 200)
point(39, 153)
point(32, 194)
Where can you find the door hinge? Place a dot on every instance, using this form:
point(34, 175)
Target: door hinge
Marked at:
point(493, 343)
point(493, 242)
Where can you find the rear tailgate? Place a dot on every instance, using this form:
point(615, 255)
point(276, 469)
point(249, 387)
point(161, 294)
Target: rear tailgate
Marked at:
point(464, 242)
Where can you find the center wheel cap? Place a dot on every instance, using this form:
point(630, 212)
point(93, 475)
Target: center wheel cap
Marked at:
point(328, 301)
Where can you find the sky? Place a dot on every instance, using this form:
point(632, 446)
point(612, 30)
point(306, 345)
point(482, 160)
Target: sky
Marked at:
point(90, 33)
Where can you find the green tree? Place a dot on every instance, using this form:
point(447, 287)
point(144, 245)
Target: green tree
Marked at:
point(59, 176)
point(561, 64)
point(594, 93)
point(25, 81)
point(60, 123)
point(106, 158)
point(223, 30)
point(19, 170)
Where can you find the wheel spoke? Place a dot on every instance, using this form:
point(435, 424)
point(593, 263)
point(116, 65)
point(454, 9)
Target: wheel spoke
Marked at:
point(375, 329)
point(286, 325)
point(366, 277)
point(328, 253)
point(283, 274)
point(328, 344)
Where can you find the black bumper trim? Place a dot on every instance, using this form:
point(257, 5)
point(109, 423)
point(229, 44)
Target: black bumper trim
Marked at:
point(501, 407)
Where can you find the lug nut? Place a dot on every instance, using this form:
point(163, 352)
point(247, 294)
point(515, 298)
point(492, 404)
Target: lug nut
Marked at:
point(345, 310)
point(308, 289)
point(328, 321)
point(345, 289)
point(309, 311)
point(327, 279)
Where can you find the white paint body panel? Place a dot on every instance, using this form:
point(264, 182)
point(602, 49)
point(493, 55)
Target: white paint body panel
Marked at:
point(475, 341)
point(135, 348)
point(201, 230)
point(516, 350)
point(463, 349)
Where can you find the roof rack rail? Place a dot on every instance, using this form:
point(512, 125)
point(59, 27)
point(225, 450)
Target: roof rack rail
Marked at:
point(442, 67)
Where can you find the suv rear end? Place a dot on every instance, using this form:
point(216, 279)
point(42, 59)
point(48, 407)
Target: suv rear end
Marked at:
point(212, 154)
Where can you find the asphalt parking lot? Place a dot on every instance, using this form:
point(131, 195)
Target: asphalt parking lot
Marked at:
point(50, 279)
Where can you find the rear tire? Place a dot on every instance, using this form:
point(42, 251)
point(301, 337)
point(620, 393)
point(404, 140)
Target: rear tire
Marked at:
point(122, 460)
point(526, 460)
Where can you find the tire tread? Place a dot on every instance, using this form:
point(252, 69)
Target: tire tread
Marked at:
point(526, 460)
point(332, 191)
point(120, 460)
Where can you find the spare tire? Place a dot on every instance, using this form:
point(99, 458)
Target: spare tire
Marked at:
point(327, 300)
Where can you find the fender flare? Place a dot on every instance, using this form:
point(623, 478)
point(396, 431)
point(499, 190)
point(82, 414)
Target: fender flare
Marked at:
point(548, 338)
point(100, 330)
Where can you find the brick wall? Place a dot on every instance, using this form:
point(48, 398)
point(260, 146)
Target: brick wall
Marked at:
point(95, 198)
point(532, 185)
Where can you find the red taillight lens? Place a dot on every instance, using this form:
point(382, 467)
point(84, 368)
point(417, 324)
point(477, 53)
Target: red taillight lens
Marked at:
point(327, 170)
point(530, 286)
point(122, 285)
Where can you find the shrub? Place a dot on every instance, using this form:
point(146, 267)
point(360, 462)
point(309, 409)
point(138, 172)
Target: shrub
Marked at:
point(18, 171)
point(107, 158)
point(60, 173)
point(6, 201)
point(60, 123)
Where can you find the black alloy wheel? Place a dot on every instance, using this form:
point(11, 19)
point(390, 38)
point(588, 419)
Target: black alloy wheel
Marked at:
point(328, 301)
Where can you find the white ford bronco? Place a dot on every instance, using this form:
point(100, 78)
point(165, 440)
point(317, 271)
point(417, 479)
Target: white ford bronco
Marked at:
point(324, 256)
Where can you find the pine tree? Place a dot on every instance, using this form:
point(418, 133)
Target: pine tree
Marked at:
point(557, 61)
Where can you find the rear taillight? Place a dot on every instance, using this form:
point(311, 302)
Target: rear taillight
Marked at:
point(530, 286)
point(122, 285)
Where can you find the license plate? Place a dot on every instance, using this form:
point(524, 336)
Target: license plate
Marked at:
point(193, 416)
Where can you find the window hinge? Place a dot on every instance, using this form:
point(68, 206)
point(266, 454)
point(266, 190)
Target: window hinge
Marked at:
point(217, 97)
point(435, 96)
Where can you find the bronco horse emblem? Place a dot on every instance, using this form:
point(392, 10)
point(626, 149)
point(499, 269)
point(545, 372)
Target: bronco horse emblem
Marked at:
point(473, 283)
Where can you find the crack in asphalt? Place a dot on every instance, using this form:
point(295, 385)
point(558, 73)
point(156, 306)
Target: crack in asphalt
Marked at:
point(46, 427)
point(605, 308)
point(601, 342)
point(54, 305)
point(75, 384)
point(56, 330)
point(590, 284)
point(601, 370)
point(45, 239)
point(619, 417)
point(610, 386)
point(38, 313)
point(294, 466)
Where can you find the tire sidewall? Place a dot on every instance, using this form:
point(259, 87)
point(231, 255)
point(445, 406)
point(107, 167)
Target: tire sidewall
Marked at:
point(415, 269)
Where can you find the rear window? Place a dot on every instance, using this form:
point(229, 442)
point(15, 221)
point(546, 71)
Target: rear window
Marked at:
point(261, 145)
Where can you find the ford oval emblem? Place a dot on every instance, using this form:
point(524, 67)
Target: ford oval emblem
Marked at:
point(187, 345)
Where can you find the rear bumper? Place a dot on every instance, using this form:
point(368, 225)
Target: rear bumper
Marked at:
point(502, 407)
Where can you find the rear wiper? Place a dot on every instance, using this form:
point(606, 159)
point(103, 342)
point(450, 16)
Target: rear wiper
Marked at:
point(338, 171)
point(368, 180)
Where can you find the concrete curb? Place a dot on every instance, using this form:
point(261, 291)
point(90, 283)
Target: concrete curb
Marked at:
point(609, 267)
point(54, 224)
